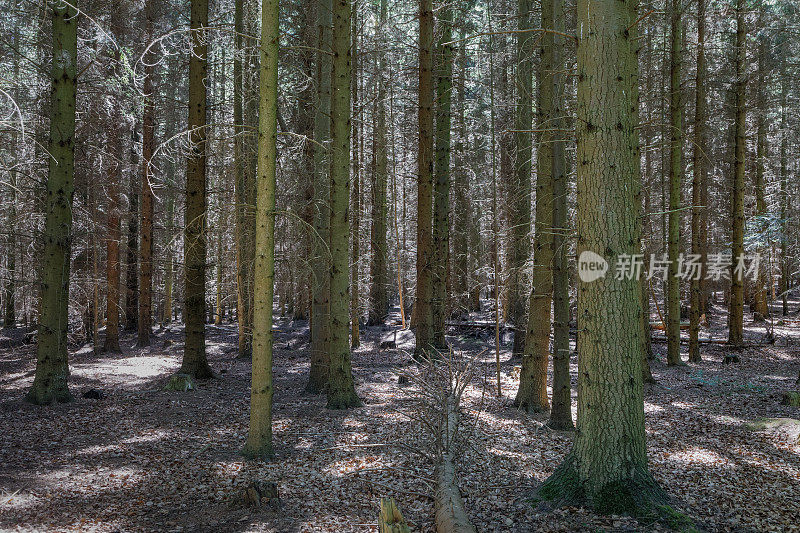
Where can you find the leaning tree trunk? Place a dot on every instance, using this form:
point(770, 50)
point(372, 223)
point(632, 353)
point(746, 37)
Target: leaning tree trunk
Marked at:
point(341, 389)
point(607, 466)
point(259, 437)
point(52, 369)
point(194, 239)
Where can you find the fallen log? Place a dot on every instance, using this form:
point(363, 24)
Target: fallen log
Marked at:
point(719, 342)
point(391, 520)
point(451, 515)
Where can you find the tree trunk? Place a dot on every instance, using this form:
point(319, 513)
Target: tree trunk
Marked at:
point(146, 237)
point(341, 390)
point(561, 412)
point(698, 177)
point(673, 296)
point(441, 193)
point(194, 243)
point(379, 290)
point(320, 275)
point(355, 213)
point(259, 437)
point(607, 466)
point(736, 304)
point(521, 192)
point(132, 247)
point(532, 393)
point(52, 369)
point(112, 244)
point(422, 303)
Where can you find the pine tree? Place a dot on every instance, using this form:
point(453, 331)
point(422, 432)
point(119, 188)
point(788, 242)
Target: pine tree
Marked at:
point(341, 390)
point(259, 438)
point(52, 369)
point(607, 466)
point(194, 352)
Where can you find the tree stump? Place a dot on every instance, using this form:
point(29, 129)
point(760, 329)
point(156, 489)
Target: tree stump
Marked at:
point(391, 519)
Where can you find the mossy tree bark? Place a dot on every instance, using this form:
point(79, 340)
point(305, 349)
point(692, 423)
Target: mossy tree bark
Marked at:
point(673, 295)
point(532, 393)
point(607, 466)
point(736, 300)
point(379, 290)
point(259, 437)
point(698, 178)
point(320, 251)
point(194, 238)
point(423, 316)
point(341, 390)
point(561, 412)
point(441, 193)
point(52, 368)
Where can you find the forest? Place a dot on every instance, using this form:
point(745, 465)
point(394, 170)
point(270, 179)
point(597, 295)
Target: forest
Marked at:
point(386, 265)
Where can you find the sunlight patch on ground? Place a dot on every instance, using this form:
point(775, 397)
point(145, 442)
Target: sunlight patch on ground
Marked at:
point(136, 369)
point(697, 455)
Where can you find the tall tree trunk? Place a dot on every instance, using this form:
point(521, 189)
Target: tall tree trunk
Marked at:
point(52, 369)
point(521, 192)
point(194, 240)
point(355, 213)
point(784, 197)
point(320, 275)
point(698, 177)
point(422, 304)
point(132, 247)
point(441, 194)
point(760, 283)
point(379, 290)
point(561, 412)
point(532, 393)
point(169, 262)
point(9, 300)
point(112, 244)
point(146, 237)
point(341, 389)
point(736, 302)
point(461, 211)
point(607, 466)
point(673, 297)
point(259, 437)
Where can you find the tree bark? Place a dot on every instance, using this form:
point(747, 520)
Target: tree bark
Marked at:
point(194, 243)
point(52, 369)
point(341, 389)
point(259, 437)
point(320, 280)
point(607, 466)
point(379, 290)
point(673, 296)
point(736, 303)
point(441, 193)
point(422, 304)
point(698, 178)
point(146, 237)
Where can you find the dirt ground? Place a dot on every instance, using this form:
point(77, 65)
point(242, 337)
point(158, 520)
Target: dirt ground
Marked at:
point(142, 459)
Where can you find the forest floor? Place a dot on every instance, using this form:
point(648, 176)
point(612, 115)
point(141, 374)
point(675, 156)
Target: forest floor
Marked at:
point(142, 459)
